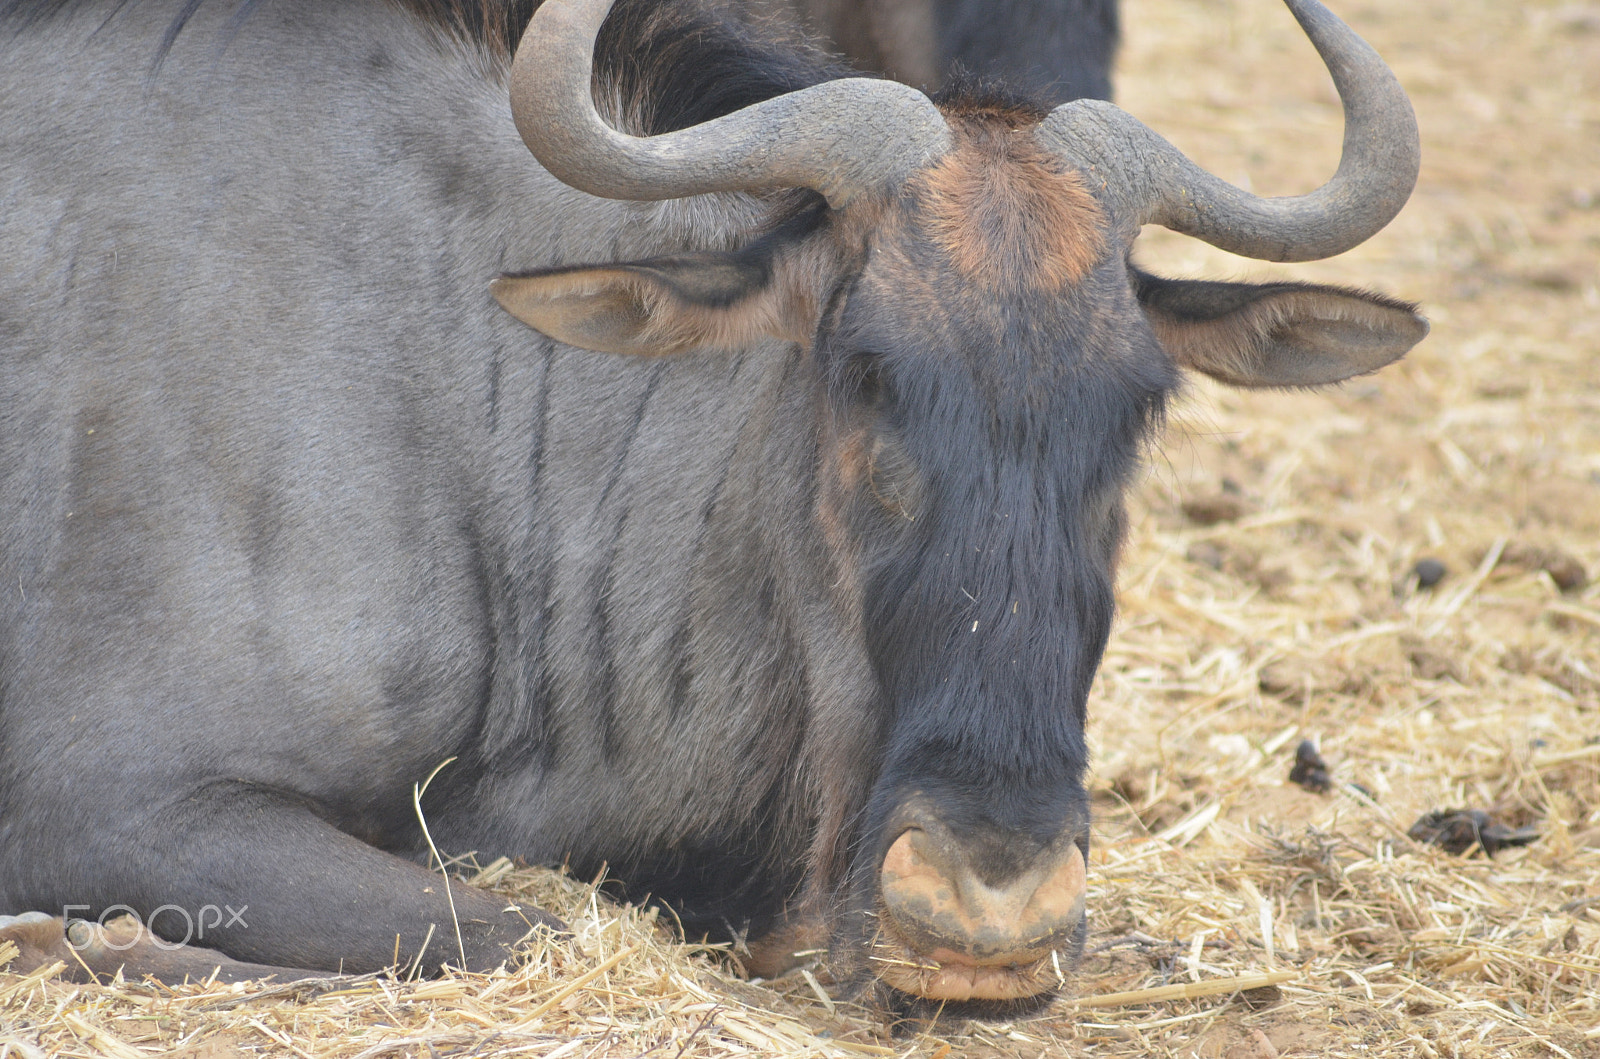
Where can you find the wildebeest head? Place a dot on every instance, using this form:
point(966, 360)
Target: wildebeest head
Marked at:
point(988, 365)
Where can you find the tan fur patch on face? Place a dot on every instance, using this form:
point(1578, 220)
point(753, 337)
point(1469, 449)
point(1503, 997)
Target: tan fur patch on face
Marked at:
point(854, 462)
point(1008, 214)
point(843, 466)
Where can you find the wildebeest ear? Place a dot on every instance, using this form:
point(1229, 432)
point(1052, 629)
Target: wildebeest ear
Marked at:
point(661, 306)
point(1277, 334)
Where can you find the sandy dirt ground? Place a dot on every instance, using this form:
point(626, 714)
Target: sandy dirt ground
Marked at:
point(1269, 596)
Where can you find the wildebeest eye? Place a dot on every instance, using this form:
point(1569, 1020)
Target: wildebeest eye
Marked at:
point(865, 380)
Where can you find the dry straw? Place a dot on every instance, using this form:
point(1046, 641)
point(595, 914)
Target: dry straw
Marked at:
point(1233, 915)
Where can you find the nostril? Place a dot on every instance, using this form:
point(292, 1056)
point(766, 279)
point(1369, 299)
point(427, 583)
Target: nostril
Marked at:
point(1057, 902)
point(910, 879)
point(940, 907)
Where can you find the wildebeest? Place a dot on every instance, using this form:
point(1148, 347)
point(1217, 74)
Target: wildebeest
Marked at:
point(1061, 49)
point(770, 566)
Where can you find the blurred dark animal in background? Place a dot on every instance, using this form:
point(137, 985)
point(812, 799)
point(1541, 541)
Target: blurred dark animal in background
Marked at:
point(1058, 50)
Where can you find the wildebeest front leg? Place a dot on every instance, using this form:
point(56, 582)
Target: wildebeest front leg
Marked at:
point(264, 879)
point(86, 949)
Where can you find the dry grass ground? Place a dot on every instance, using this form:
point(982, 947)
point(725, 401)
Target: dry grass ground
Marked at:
point(1295, 615)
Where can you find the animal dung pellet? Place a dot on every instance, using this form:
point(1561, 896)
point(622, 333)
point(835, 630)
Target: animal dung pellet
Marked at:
point(1310, 770)
point(1565, 570)
point(1214, 508)
point(1429, 572)
point(1459, 830)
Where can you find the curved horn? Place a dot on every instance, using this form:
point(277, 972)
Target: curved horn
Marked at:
point(1158, 185)
point(838, 138)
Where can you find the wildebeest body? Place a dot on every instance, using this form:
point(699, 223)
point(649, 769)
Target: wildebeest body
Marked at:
point(292, 505)
point(788, 603)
